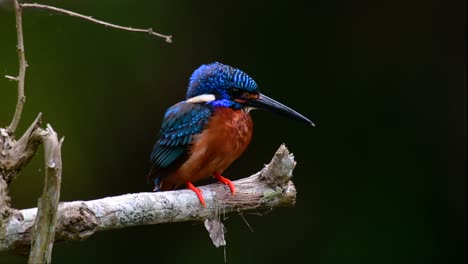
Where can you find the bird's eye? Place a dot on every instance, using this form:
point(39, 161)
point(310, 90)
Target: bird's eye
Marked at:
point(234, 92)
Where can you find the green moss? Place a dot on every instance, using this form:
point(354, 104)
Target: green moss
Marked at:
point(270, 195)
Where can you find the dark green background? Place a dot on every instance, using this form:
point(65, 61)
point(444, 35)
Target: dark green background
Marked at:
point(381, 179)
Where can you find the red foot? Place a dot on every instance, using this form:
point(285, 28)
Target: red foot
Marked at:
point(197, 192)
point(225, 181)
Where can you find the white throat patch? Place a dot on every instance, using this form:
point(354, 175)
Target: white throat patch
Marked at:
point(204, 98)
point(247, 109)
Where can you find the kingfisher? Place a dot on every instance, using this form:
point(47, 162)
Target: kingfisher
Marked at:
point(201, 136)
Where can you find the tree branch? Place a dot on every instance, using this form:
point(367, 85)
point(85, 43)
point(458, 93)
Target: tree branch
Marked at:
point(150, 31)
point(22, 69)
point(78, 220)
point(44, 228)
point(15, 155)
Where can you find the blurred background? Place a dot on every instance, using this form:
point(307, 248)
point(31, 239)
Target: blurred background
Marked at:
point(381, 179)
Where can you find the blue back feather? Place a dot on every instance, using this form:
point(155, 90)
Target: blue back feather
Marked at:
point(181, 122)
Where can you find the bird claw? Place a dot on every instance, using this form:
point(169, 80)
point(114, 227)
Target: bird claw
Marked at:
point(197, 192)
point(225, 181)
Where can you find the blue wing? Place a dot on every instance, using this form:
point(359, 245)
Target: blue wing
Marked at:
point(181, 122)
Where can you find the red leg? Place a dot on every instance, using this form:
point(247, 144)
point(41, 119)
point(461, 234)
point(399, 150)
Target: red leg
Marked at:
point(225, 181)
point(197, 192)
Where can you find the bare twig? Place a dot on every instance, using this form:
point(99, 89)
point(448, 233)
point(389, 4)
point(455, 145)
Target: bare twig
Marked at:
point(245, 220)
point(12, 78)
point(81, 219)
point(150, 31)
point(44, 228)
point(22, 69)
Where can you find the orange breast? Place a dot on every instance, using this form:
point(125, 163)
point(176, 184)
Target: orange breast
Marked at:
point(227, 135)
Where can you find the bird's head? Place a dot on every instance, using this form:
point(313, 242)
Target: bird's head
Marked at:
point(224, 86)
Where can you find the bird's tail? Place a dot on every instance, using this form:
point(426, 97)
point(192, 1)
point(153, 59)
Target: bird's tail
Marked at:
point(152, 177)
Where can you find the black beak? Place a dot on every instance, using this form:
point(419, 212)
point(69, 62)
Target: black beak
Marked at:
point(265, 102)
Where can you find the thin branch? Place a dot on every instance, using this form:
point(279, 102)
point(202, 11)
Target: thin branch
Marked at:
point(44, 228)
point(81, 219)
point(150, 31)
point(246, 222)
point(22, 69)
point(12, 78)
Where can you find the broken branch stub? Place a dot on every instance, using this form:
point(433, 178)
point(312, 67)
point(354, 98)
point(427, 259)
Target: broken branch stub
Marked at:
point(15, 155)
point(273, 189)
point(44, 228)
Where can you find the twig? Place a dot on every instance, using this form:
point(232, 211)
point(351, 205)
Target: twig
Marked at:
point(81, 219)
point(13, 78)
point(44, 228)
point(245, 220)
point(150, 31)
point(22, 69)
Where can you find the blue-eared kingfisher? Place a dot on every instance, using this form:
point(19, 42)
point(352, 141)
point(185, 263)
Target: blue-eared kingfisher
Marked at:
point(201, 136)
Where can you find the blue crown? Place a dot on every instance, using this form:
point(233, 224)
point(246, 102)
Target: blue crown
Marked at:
point(217, 78)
